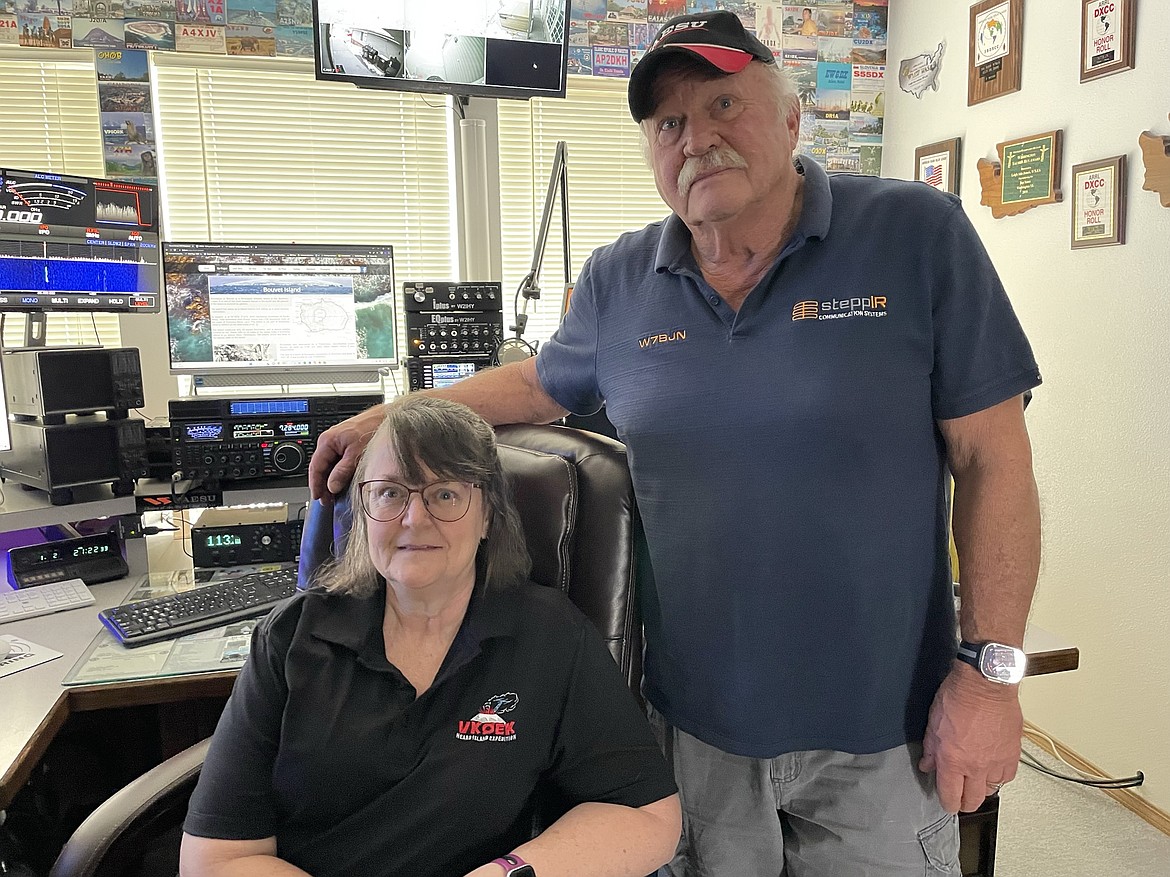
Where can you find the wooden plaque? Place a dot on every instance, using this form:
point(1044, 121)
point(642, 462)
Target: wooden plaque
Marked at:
point(1098, 203)
point(937, 164)
point(1108, 36)
point(995, 49)
point(1026, 175)
point(1156, 155)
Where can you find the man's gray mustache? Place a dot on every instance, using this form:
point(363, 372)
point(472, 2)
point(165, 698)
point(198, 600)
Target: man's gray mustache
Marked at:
point(716, 159)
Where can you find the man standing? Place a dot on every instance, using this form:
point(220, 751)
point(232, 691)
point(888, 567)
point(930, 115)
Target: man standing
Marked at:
point(795, 363)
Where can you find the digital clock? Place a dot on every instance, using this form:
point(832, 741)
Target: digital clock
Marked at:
point(93, 559)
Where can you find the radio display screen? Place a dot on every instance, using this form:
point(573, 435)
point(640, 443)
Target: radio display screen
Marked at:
point(294, 430)
point(222, 540)
point(251, 407)
point(203, 432)
point(252, 430)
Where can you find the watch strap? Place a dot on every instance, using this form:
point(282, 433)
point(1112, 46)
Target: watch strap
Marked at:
point(513, 864)
point(969, 652)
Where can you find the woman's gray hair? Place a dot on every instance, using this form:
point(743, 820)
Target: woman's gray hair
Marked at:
point(456, 444)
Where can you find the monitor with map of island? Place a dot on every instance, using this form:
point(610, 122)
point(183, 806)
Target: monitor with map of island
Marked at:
point(263, 314)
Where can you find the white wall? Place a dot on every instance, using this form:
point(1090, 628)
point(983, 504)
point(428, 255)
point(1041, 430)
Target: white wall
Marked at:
point(1099, 321)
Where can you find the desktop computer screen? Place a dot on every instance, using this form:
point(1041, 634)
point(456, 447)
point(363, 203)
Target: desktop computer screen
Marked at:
point(77, 244)
point(298, 308)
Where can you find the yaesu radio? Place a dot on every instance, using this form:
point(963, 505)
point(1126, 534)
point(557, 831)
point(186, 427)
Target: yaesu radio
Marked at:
point(233, 439)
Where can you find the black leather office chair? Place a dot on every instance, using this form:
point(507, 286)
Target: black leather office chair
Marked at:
point(576, 502)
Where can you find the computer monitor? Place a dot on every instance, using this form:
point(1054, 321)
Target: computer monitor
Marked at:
point(72, 243)
point(485, 48)
point(259, 314)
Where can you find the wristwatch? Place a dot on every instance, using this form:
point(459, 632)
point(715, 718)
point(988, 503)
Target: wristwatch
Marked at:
point(514, 866)
point(997, 662)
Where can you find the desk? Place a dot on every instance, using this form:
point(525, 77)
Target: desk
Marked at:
point(36, 706)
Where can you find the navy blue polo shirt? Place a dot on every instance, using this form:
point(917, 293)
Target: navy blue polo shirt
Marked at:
point(786, 458)
point(324, 745)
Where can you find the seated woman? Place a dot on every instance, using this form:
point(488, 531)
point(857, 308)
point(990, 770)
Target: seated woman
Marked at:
point(401, 717)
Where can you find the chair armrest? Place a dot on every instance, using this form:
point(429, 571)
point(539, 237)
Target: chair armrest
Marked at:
point(123, 825)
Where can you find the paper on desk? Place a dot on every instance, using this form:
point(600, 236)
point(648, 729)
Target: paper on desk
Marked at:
point(22, 654)
point(107, 660)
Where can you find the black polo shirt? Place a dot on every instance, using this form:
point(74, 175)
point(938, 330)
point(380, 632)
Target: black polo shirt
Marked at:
point(324, 745)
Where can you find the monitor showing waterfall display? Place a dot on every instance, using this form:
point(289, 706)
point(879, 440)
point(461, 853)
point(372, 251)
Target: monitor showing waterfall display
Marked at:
point(297, 308)
point(77, 244)
point(485, 48)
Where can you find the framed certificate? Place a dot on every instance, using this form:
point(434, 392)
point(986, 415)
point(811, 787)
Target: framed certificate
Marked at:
point(1031, 169)
point(937, 164)
point(1108, 33)
point(997, 41)
point(1098, 203)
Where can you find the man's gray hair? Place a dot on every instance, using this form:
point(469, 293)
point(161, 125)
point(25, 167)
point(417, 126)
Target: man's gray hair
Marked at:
point(783, 87)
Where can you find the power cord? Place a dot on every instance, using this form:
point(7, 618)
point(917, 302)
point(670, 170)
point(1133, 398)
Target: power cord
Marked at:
point(1104, 783)
point(1084, 778)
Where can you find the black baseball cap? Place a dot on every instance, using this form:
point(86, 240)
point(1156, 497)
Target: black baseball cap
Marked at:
point(718, 38)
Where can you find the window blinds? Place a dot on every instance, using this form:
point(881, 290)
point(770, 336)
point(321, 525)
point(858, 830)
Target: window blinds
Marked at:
point(611, 190)
point(259, 151)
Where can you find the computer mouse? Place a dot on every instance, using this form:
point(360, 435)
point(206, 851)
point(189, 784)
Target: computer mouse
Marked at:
point(6, 649)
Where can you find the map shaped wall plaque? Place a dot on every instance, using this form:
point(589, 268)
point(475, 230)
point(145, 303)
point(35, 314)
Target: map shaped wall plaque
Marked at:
point(1156, 155)
point(919, 73)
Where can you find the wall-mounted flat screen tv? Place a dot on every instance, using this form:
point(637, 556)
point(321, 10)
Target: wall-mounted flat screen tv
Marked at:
point(482, 48)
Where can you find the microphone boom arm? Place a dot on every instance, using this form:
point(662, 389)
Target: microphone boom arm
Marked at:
point(558, 179)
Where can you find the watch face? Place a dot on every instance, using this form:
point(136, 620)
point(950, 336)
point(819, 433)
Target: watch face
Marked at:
point(1002, 663)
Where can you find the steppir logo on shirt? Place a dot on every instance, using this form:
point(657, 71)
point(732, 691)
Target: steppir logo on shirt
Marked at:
point(840, 308)
point(487, 726)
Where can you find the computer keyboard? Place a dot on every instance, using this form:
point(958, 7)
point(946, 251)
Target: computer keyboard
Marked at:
point(213, 605)
point(43, 599)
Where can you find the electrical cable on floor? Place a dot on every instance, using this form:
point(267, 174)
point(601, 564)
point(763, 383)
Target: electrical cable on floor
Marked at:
point(1085, 778)
point(1117, 783)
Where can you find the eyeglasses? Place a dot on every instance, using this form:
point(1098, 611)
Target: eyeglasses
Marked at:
point(446, 501)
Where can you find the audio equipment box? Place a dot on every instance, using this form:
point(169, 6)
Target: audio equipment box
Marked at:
point(234, 537)
point(453, 319)
point(50, 382)
point(90, 450)
point(234, 438)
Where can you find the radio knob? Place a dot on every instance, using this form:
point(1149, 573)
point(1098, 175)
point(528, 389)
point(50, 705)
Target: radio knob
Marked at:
point(287, 457)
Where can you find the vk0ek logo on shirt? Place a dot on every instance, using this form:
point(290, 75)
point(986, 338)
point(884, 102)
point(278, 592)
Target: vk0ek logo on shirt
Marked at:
point(488, 725)
point(840, 308)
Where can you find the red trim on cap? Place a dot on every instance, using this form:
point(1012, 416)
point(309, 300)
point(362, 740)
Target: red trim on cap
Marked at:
point(726, 59)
